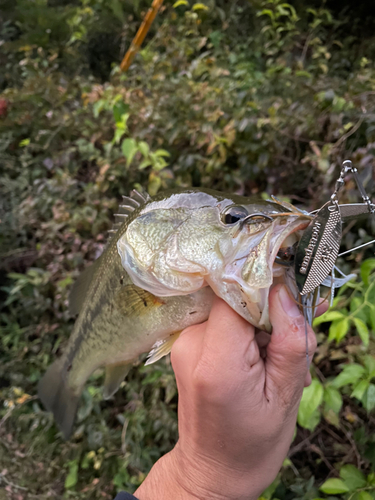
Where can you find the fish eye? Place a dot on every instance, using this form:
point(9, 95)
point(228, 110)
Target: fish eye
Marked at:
point(234, 214)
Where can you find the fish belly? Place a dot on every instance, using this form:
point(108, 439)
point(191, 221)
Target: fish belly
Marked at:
point(117, 338)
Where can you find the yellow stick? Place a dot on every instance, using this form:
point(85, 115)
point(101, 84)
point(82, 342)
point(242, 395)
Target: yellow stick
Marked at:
point(141, 34)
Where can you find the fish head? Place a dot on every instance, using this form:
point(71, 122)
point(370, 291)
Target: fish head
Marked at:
point(181, 242)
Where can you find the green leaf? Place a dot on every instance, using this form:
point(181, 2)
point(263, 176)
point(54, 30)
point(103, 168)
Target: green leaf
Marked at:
point(129, 148)
point(352, 477)
point(360, 389)
point(331, 417)
point(199, 6)
point(119, 109)
point(362, 330)
point(160, 164)
point(144, 164)
point(162, 152)
point(311, 399)
point(332, 399)
point(371, 316)
point(266, 12)
point(118, 134)
point(180, 2)
point(355, 304)
point(328, 316)
point(144, 148)
point(366, 267)
point(154, 185)
point(363, 495)
point(349, 375)
point(72, 476)
point(338, 330)
point(116, 8)
point(369, 362)
point(369, 398)
point(303, 73)
point(334, 486)
point(24, 142)
point(97, 107)
point(370, 293)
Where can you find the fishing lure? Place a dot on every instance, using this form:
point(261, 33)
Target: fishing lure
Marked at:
point(319, 246)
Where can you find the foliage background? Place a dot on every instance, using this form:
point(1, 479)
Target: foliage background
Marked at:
point(247, 96)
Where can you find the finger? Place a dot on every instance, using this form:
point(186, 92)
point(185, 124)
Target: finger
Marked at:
point(307, 380)
point(286, 362)
point(322, 308)
point(229, 339)
point(186, 351)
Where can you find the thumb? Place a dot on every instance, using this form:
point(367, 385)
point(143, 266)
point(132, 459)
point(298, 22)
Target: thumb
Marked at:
point(286, 362)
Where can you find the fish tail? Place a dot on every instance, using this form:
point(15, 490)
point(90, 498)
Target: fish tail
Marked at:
point(59, 398)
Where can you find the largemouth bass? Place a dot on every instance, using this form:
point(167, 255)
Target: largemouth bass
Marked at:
point(159, 274)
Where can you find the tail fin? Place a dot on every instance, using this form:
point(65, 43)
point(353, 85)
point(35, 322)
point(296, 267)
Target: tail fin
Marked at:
point(58, 398)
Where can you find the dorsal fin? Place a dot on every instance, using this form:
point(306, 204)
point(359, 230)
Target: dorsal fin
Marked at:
point(129, 204)
point(80, 288)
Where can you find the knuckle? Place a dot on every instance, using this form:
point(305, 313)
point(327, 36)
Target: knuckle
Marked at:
point(207, 385)
point(298, 339)
point(298, 324)
point(203, 380)
point(290, 398)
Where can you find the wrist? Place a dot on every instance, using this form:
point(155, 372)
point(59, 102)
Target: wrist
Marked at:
point(179, 475)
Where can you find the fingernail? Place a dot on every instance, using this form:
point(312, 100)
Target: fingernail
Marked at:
point(287, 303)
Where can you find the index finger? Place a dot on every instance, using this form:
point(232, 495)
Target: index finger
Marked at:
point(229, 337)
point(322, 307)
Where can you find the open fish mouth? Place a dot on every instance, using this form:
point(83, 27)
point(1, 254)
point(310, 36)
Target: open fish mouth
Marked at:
point(285, 251)
point(269, 263)
point(283, 263)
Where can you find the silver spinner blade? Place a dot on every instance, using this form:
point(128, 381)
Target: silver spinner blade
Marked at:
point(318, 248)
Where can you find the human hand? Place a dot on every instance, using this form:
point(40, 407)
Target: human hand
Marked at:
point(237, 410)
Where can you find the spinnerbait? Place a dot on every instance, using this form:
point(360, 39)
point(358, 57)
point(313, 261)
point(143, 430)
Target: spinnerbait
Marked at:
point(319, 246)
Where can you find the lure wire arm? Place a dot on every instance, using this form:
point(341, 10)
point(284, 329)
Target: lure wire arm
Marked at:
point(355, 210)
point(347, 166)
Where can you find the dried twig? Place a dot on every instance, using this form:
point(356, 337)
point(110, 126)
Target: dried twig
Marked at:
point(123, 436)
point(314, 448)
point(141, 34)
point(22, 488)
point(354, 449)
point(300, 446)
point(349, 133)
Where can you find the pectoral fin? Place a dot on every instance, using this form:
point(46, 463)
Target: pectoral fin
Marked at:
point(161, 348)
point(132, 300)
point(114, 375)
